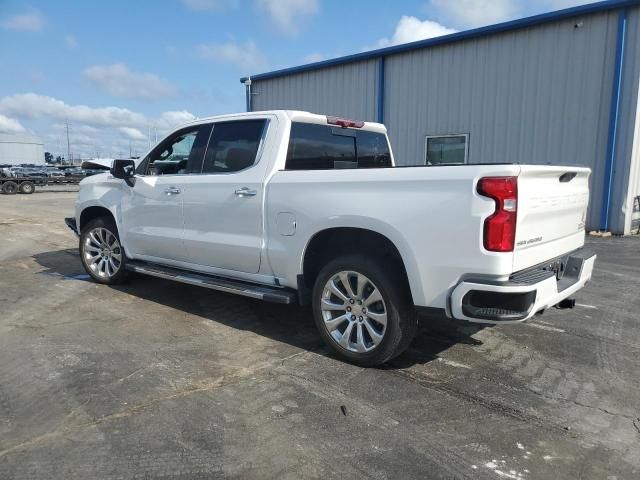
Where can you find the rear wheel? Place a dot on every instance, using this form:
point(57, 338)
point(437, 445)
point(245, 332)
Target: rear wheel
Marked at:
point(27, 187)
point(102, 255)
point(10, 188)
point(363, 311)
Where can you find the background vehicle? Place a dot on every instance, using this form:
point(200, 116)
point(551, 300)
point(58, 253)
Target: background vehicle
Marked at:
point(21, 184)
point(74, 172)
point(24, 178)
point(93, 171)
point(53, 172)
point(27, 172)
point(289, 206)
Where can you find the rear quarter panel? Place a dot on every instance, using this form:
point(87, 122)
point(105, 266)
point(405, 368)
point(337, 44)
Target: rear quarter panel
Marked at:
point(433, 215)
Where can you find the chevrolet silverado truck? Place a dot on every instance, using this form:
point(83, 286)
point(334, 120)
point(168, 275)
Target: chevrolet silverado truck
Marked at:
point(289, 206)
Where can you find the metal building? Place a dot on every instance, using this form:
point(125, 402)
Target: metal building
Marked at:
point(558, 88)
point(20, 148)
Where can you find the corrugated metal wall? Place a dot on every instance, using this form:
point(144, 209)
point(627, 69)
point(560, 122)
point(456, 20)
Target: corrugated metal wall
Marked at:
point(626, 179)
point(344, 90)
point(536, 95)
point(539, 95)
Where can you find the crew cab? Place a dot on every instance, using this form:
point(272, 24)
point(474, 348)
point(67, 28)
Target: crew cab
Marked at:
point(289, 206)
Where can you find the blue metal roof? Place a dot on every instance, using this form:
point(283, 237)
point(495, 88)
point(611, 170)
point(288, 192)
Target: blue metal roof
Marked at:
point(455, 37)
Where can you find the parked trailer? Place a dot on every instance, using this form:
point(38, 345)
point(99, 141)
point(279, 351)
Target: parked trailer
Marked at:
point(27, 185)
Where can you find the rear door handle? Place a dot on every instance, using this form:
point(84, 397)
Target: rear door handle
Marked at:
point(172, 191)
point(245, 192)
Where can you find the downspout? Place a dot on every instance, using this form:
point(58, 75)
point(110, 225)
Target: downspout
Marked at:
point(380, 99)
point(613, 119)
point(247, 87)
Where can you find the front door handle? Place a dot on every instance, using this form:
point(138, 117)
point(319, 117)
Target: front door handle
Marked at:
point(245, 192)
point(172, 191)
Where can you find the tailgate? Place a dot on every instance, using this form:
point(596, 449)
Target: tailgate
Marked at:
point(552, 209)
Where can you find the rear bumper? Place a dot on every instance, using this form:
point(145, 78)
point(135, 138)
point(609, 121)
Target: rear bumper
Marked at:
point(71, 223)
point(482, 300)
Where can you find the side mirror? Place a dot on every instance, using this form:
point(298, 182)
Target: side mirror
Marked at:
point(124, 169)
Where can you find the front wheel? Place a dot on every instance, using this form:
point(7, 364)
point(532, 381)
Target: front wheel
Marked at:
point(102, 255)
point(363, 311)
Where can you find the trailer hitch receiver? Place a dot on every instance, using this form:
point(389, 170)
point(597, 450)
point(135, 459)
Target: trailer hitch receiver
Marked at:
point(566, 303)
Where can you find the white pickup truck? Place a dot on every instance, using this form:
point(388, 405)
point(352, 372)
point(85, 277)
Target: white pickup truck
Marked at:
point(288, 206)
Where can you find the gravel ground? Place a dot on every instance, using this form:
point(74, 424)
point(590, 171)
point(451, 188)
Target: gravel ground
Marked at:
point(161, 380)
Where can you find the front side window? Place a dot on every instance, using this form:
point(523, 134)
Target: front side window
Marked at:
point(181, 153)
point(446, 150)
point(233, 146)
point(321, 147)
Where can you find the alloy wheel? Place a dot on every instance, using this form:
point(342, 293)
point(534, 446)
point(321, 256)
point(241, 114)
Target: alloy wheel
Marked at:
point(354, 312)
point(102, 252)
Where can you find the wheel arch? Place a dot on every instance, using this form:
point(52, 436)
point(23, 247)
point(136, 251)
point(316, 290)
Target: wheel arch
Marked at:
point(95, 211)
point(334, 241)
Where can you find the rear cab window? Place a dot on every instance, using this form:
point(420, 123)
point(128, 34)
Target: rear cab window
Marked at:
point(325, 147)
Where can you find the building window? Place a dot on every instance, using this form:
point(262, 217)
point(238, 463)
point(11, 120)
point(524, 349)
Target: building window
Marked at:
point(447, 149)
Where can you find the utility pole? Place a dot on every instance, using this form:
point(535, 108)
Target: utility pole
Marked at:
point(155, 131)
point(66, 124)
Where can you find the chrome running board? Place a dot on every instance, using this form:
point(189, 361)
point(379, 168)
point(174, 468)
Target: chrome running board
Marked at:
point(260, 292)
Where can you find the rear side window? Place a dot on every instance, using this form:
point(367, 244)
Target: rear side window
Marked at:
point(320, 147)
point(233, 146)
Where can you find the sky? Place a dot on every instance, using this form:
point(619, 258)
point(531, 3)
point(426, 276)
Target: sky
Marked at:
point(120, 72)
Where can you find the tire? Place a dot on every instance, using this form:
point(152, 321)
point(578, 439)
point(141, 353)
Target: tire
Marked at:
point(10, 188)
point(369, 342)
point(102, 256)
point(27, 188)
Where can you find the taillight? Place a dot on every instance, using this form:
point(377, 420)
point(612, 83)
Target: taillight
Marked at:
point(500, 227)
point(344, 123)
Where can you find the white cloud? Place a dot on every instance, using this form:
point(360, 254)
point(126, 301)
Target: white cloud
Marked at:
point(474, 13)
point(87, 129)
point(287, 14)
point(314, 57)
point(34, 106)
point(133, 133)
point(247, 57)
point(10, 125)
point(103, 130)
point(412, 29)
point(207, 5)
point(31, 105)
point(70, 41)
point(119, 81)
point(170, 119)
point(25, 22)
